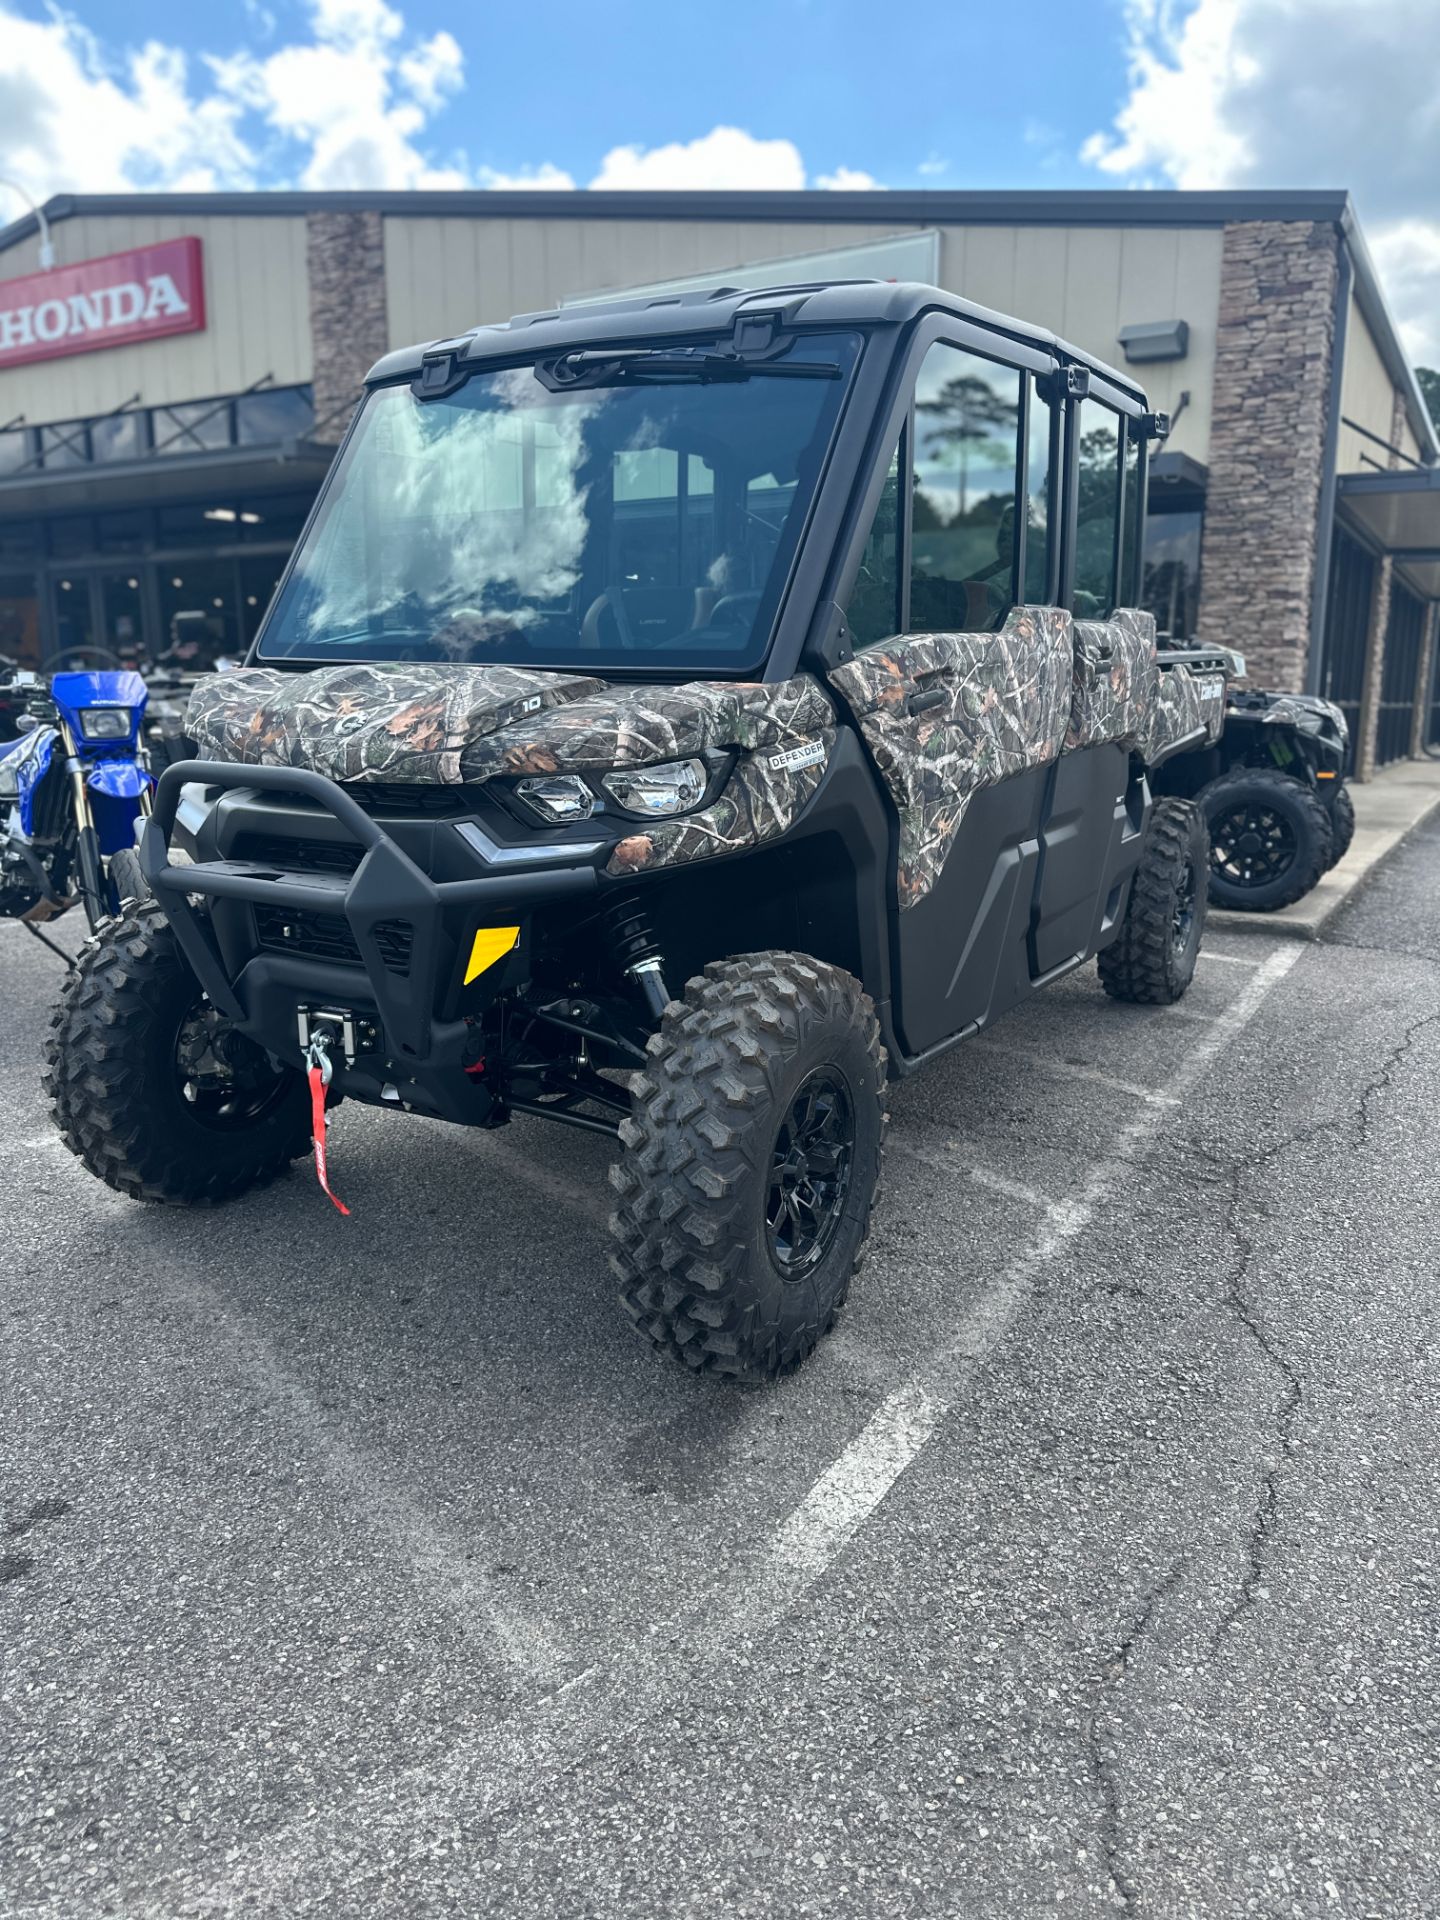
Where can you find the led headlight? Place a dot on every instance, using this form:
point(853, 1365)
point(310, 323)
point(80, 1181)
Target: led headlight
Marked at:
point(556, 797)
point(105, 723)
point(658, 791)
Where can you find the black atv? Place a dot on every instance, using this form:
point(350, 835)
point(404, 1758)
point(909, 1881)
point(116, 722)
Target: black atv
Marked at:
point(1274, 796)
point(673, 723)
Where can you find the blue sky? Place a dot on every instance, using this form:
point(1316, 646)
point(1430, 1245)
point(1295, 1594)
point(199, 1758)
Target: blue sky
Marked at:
point(850, 86)
point(104, 96)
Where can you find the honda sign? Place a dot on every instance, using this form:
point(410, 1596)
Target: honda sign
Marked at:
point(141, 295)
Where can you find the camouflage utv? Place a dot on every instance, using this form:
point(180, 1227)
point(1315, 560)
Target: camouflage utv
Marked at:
point(1273, 793)
point(674, 721)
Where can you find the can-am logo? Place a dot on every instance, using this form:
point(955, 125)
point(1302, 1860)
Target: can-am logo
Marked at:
point(141, 295)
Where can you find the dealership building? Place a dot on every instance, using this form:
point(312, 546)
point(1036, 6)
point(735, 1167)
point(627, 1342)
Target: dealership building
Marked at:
point(174, 381)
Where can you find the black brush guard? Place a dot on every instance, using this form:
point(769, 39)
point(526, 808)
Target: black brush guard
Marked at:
point(385, 887)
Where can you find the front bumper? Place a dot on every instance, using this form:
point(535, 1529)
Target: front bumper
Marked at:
point(400, 935)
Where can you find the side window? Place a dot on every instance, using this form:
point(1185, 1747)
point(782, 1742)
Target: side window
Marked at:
point(962, 518)
point(874, 610)
point(1129, 595)
point(1097, 516)
point(1037, 498)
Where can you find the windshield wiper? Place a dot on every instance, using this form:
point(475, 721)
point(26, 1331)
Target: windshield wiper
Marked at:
point(605, 366)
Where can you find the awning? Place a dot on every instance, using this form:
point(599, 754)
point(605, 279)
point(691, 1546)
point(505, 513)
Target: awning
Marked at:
point(1399, 512)
point(166, 477)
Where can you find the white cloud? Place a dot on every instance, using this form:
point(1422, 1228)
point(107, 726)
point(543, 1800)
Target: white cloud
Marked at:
point(724, 157)
point(542, 179)
point(933, 163)
point(847, 180)
point(71, 118)
point(1239, 93)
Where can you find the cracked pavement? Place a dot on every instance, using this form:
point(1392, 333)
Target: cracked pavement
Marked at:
point(320, 1535)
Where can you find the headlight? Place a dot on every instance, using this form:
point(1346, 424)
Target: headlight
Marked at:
point(556, 797)
point(658, 791)
point(105, 723)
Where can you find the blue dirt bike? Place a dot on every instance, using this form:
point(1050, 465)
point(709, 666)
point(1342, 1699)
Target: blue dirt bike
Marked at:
point(71, 789)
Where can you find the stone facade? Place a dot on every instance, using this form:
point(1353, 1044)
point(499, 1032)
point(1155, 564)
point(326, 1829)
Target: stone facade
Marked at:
point(345, 256)
point(1274, 350)
point(1363, 745)
point(1420, 725)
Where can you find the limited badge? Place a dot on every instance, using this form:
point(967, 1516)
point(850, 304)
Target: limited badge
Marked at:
point(794, 758)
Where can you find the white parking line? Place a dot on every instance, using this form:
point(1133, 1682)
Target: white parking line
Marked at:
point(1230, 959)
point(502, 1762)
point(1069, 1070)
point(810, 1538)
point(945, 1159)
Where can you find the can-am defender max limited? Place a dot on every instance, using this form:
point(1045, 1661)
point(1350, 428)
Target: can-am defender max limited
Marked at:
point(675, 719)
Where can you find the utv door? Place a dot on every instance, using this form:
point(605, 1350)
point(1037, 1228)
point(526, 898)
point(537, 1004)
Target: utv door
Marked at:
point(964, 708)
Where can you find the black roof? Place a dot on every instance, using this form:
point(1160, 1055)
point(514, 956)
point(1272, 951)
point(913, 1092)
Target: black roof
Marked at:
point(708, 311)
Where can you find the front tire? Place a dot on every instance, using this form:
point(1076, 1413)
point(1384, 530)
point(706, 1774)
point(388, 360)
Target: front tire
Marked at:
point(150, 1089)
point(1152, 959)
point(751, 1164)
point(1342, 824)
point(1270, 839)
point(127, 880)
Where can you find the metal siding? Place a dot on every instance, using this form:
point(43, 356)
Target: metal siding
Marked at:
point(1367, 395)
point(256, 307)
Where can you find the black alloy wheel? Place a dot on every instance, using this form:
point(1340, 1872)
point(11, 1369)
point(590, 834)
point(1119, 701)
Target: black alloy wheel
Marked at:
point(1270, 838)
point(1252, 845)
point(810, 1173)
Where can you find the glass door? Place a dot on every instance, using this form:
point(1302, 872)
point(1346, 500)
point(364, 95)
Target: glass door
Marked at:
point(119, 614)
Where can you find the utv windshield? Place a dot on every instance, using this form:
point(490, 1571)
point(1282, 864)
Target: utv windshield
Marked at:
point(646, 515)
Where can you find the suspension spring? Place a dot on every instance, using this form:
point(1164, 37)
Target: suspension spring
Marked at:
point(636, 951)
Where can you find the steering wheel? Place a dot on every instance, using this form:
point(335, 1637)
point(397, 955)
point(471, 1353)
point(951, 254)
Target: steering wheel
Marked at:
point(736, 609)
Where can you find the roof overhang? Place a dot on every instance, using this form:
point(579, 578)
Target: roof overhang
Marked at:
point(1399, 513)
point(171, 477)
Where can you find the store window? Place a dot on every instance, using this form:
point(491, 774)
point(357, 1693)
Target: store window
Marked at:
point(199, 618)
point(1171, 582)
point(962, 517)
point(15, 450)
point(259, 577)
point(1098, 509)
point(192, 428)
point(19, 620)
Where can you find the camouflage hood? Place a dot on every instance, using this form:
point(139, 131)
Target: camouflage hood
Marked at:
point(400, 723)
point(441, 725)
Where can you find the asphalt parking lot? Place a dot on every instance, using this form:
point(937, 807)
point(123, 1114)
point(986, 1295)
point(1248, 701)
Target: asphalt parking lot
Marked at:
point(371, 1566)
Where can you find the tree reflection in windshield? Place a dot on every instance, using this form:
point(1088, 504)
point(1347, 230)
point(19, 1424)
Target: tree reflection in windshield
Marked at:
point(510, 522)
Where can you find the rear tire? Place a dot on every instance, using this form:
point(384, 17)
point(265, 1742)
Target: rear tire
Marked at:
point(1152, 959)
point(131, 1033)
point(1270, 839)
point(751, 1164)
point(1342, 824)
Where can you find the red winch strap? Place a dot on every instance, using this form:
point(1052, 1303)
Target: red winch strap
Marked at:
point(317, 1128)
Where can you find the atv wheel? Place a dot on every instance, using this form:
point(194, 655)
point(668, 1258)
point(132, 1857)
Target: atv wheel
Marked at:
point(1342, 824)
point(149, 1086)
point(1152, 959)
point(126, 878)
point(1270, 839)
point(751, 1164)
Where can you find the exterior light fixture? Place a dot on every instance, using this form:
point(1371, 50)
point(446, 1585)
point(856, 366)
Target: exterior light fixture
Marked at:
point(219, 513)
point(1155, 340)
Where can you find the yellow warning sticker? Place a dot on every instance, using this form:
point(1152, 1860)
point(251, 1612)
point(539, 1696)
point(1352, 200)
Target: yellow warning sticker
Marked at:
point(491, 944)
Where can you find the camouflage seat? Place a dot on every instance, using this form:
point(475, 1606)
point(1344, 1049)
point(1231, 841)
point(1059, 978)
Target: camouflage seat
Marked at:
point(1117, 680)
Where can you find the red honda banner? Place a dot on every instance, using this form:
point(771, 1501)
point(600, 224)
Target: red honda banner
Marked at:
point(141, 295)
